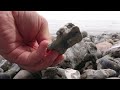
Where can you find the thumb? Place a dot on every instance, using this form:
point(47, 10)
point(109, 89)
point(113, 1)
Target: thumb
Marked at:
point(42, 49)
point(37, 55)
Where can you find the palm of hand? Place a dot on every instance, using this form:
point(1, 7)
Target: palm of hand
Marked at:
point(24, 39)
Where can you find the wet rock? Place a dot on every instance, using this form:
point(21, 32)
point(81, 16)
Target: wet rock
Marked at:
point(59, 73)
point(108, 62)
point(5, 65)
point(67, 36)
point(98, 74)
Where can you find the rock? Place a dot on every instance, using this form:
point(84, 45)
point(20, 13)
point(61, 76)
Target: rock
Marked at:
point(78, 55)
point(67, 36)
point(87, 39)
point(98, 74)
point(119, 76)
point(1, 70)
point(4, 76)
point(110, 41)
point(116, 36)
point(84, 34)
point(59, 73)
point(14, 69)
point(24, 74)
point(108, 62)
point(53, 38)
point(114, 51)
point(93, 38)
point(99, 54)
point(100, 38)
point(103, 46)
point(113, 78)
point(5, 65)
point(116, 40)
point(88, 65)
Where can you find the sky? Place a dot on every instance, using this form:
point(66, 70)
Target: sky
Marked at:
point(80, 15)
point(90, 21)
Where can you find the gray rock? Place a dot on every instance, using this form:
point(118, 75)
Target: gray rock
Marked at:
point(103, 46)
point(4, 76)
point(114, 51)
point(84, 34)
point(24, 74)
point(119, 76)
point(1, 70)
point(98, 74)
point(5, 65)
point(14, 69)
point(116, 36)
point(87, 39)
point(59, 73)
point(113, 78)
point(108, 62)
point(100, 38)
point(99, 54)
point(88, 65)
point(78, 55)
point(67, 36)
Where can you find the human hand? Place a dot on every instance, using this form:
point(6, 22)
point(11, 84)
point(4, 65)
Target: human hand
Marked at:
point(24, 38)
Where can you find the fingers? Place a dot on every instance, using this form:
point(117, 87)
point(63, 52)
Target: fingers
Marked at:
point(51, 57)
point(39, 54)
point(42, 48)
point(58, 60)
point(47, 61)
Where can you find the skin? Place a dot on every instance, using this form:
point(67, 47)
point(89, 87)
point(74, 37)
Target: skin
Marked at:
point(24, 38)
